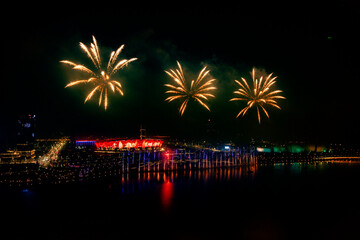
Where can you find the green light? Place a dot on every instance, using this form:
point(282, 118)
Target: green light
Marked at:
point(296, 149)
point(279, 149)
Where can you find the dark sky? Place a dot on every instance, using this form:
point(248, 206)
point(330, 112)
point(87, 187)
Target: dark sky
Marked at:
point(314, 51)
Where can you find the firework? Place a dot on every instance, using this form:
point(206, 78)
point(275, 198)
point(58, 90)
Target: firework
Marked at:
point(101, 78)
point(198, 89)
point(259, 95)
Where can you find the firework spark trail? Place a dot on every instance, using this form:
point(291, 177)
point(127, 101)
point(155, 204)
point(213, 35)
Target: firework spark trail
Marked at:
point(259, 95)
point(198, 90)
point(100, 78)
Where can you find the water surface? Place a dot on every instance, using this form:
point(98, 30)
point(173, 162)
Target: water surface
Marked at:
point(280, 201)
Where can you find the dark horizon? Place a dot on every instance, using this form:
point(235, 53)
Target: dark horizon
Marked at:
point(313, 51)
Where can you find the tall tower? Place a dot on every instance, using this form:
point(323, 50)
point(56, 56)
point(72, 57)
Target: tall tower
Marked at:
point(142, 132)
point(26, 129)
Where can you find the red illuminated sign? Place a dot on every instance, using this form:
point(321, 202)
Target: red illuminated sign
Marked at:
point(133, 143)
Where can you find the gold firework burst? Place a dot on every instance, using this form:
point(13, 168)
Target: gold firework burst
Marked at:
point(198, 89)
point(259, 95)
point(100, 78)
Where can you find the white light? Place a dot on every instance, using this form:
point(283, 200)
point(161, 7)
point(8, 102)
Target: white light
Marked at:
point(259, 149)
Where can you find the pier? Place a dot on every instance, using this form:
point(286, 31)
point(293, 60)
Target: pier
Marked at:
point(154, 160)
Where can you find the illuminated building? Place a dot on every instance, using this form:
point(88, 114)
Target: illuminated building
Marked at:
point(20, 154)
point(9, 155)
point(25, 150)
point(25, 137)
point(85, 142)
point(129, 143)
point(112, 144)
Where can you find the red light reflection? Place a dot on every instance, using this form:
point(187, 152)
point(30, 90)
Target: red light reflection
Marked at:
point(167, 192)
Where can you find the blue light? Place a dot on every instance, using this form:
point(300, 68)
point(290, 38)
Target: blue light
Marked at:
point(25, 190)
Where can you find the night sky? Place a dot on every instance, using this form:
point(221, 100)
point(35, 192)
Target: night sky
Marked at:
point(314, 51)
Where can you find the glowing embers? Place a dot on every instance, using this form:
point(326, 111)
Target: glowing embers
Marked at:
point(130, 143)
point(101, 78)
point(199, 90)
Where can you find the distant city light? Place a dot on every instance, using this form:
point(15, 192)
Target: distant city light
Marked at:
point(279, 149)
point(227, 147)
point(265, 150)
point(52, 154)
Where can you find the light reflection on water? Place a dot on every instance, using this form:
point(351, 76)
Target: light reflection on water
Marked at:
point(203, 175)
point(223, 174)
point(254, 202)
point(165, 183)
point(167, 192)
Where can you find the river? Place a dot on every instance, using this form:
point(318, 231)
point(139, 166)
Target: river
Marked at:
point(281, 201)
